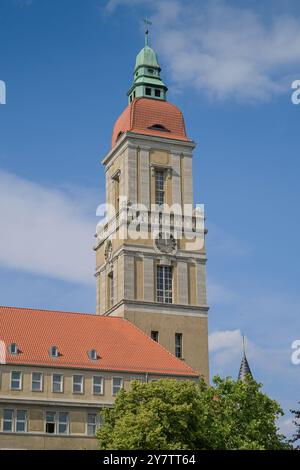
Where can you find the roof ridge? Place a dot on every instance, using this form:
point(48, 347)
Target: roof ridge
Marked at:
point(55, 311)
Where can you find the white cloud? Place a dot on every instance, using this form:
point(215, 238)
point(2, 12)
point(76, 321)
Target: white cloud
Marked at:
point(220, 340)
point(45, 231)
point(225, 348)
point(227, 52)
point(287, 426)
point(219, 294)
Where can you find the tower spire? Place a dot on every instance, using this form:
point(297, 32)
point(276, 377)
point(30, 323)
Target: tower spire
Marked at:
point(147, 24)
point(244, 367)
point(146, 77)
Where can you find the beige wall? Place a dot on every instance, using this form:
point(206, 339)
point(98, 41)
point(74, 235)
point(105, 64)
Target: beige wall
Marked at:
point(194, 330)
point(46, 442)
point(78, 406)
point(137, 259)
point(67, 394)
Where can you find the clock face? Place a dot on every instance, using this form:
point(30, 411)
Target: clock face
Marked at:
point(166, 243)
point(108, 251)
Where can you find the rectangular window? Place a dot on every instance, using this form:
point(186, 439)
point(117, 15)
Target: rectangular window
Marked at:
point(21, 421)
point(157, 93)
point(37, 381)
point(93, 422)
point(63, 423)
point(178, 345)
point(77, 383)
point(154, 335)
point(111, 288)
point(57, 383)
point(97, 385)
point(159, 187)
point(117, 385)
point(8, 417)
point(50, 422)
point(16, 380)
point(148, 91)
point(164, 284)
point(116, 182)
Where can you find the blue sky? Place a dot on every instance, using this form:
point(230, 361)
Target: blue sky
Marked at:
point(229, 66)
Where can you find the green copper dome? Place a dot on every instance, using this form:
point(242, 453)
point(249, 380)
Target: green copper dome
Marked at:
point(146, 77)
point(146, 56)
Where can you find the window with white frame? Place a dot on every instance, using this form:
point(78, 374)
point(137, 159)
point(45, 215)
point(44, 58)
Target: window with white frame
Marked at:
point(16, 380)
point(21, 421)
point(77, 383)
point(117, 385)
point(57, 383)
point(37, 381)
point(63, 423)
point(13, 348)
point(159, 187)
point(57, 422)
point(53, 351)
point(164, 284)
point(8, 420)
point(50, 422)
point(93, 422)
point(14, 420)
point(97, 385)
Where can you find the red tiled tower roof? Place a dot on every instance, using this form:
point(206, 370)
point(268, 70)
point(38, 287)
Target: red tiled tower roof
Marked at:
point(143, 115)
point(121, 346)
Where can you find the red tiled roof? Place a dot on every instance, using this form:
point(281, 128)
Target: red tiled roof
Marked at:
point(121, 346)
point(143, 113)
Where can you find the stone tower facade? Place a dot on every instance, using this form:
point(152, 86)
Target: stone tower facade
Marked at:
point(150, 251)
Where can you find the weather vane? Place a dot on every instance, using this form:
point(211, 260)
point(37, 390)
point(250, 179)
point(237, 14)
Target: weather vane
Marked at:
point(147, 24)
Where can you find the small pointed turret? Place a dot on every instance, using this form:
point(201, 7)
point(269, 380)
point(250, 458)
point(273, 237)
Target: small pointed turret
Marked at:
point(244, 368)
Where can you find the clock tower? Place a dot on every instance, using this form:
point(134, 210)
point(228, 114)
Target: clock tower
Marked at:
point(150, 250)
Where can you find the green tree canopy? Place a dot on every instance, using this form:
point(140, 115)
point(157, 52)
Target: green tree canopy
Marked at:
point(177, 414)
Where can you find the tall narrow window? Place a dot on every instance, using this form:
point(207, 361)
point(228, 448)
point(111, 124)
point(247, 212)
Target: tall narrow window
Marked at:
point(37, 381)
point(159, 187)
point(97, 385)
point(63, 423)
point(93, 422)
point(50, 422)
point(77, 383)
point(16, 380)
point(111, 289)
point(164, 284)
point(117, 385)
point(57, 383)
point(154, 335)
point(8, 417)
point(178, 345)
point(116, 181)
point(21, 421)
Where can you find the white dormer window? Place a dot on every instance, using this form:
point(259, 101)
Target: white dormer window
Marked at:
point(13, 348)
point(92, 353)
point(53, 351)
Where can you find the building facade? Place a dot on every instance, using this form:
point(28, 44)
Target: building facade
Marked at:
point(58, 370)
point(150, 270)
